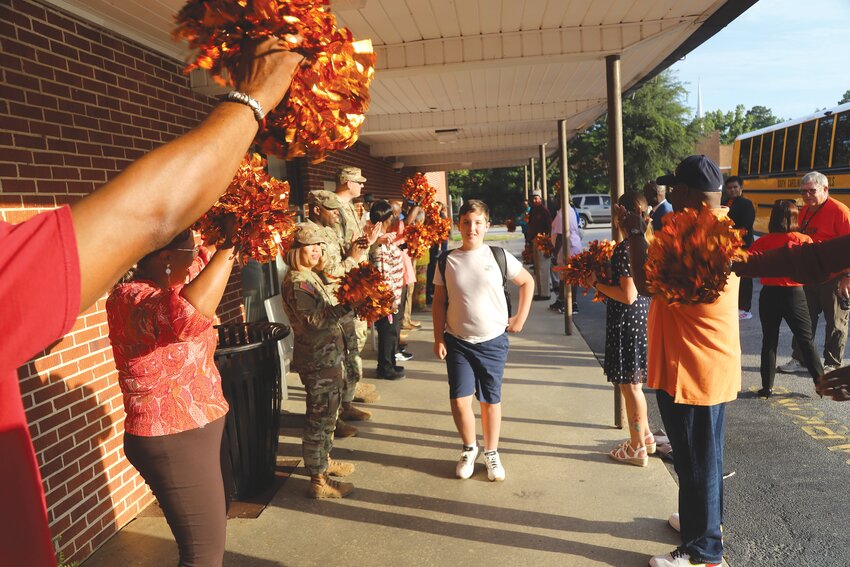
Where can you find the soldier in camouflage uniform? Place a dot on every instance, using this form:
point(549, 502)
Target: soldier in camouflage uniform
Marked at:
point(349, 186)
point(320, 347)
point(324, 209)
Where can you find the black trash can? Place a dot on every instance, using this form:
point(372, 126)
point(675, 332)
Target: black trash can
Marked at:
point(248, 360)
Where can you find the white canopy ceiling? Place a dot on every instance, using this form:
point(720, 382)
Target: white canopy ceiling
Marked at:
point(478, 83)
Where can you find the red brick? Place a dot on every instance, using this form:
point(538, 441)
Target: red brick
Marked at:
point(77, 160)
point(26, 111)
point(30, 9)
point(65, 173)
point(44, 129)
point(93, 175)
point(80, 69)
point(27, 36)
point(15, 124)
point(55, 88)
point(8, 92)
point(46, 30)
point(12, 47)
point(8, 170)
point(43, 201)
point(56, 145)
point(89, 149)
point(34, 171)
point(20, 80)
point(60, 21)
point(70, 133)
point(99, 137)
point(42, 100)
point(48, 158)
point(18, 185)
point(28, 141)
point(37, 69)
point(58, 418)
point(71, 107)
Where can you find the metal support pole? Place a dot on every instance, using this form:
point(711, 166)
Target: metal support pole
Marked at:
point(543, 176)
point(525, 177)
point(531, 170)
point(615, 174)
point(565, 226)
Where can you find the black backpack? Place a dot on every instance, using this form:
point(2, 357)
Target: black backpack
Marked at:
point(499, 255)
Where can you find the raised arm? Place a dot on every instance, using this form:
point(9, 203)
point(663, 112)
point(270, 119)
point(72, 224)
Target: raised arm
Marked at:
point(167, 189)
point(808, 263)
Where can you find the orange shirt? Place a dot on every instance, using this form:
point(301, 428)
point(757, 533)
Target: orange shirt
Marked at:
point(830, 220)
point(695, 350)
point(775, 240)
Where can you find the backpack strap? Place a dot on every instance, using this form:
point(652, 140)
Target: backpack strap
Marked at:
point(499, 255)
point(441, 263)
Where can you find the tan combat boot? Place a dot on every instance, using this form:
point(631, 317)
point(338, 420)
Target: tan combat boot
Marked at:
point(366, 393)
point(339, 468)
point(352, 413)
point(323, 487)
point(344, 430)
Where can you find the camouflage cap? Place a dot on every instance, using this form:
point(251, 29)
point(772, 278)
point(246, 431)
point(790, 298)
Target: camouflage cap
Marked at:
point(324, 198)
point(349, 173)
point(308, 233)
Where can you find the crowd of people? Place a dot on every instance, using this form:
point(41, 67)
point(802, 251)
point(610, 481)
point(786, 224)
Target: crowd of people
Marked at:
point(160, 319)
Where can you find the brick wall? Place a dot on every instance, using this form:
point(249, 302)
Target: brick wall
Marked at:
point(382, 181)
point(78, 104)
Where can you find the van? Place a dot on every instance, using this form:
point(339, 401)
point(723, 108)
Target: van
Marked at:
point(592, 208)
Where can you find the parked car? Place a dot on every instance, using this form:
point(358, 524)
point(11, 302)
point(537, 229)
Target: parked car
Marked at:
point(592, 208)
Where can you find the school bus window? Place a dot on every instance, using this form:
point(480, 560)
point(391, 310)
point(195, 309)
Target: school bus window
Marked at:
point(807, 139)
point(778, 147)
point(791, 148)
point(764, 166)
point(822, 142)
point(841, 145)
point(744, 157)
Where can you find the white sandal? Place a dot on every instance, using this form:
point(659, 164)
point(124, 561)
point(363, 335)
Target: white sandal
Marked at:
point(626, 454)
point(650, 447)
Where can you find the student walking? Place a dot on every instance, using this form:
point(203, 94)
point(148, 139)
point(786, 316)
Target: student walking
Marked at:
point(471, 322)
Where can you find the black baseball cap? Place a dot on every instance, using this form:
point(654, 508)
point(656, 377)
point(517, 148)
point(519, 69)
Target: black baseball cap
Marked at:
point(697, 172)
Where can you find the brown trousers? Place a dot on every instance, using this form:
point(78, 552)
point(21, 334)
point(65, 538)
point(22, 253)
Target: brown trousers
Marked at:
point(184, 471)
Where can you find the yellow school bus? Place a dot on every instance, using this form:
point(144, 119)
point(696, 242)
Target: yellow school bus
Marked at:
point(772, 160)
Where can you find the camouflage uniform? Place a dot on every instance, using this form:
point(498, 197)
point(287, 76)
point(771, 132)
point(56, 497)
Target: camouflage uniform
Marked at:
point(318, 358)
point(349, 230)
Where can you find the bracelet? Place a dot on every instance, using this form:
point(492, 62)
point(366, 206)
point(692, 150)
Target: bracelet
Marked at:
point(242, 98)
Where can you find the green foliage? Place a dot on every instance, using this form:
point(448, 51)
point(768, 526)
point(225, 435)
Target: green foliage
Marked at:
point(736, 122)
point(501, 189)
point(60, 556)
point(845, 97)
point(656, 136)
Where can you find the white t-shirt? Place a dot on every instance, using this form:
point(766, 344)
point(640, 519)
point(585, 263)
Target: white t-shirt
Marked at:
point(477, 309)
point(575, 237)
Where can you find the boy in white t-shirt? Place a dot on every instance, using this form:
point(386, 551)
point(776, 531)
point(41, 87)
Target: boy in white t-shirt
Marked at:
point(471, 319)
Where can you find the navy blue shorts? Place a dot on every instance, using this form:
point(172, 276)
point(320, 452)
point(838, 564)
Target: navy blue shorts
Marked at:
point(476, 368)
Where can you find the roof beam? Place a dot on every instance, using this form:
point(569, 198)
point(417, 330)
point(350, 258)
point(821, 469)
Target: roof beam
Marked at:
point(576, 43)
point(523, 113)
point(497, 142)
point(499, 156)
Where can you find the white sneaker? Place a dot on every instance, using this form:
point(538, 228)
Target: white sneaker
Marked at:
point(466, 463)
point(744, 315)
point(791, 367)
point(677, 558)
point(673, 520)
point(495, 470)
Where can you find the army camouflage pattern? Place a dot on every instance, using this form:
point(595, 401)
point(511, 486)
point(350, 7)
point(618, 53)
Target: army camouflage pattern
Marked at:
point(316, 322)
point(349, 225)
point(333, 264)
point(324, 398)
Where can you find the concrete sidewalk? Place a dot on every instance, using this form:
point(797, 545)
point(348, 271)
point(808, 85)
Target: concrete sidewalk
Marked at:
point(564, 502)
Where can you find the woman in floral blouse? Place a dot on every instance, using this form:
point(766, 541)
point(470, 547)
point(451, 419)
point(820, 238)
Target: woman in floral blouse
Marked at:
point(163, 340)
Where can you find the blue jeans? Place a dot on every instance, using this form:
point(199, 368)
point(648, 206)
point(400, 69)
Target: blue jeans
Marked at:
point(696, 435)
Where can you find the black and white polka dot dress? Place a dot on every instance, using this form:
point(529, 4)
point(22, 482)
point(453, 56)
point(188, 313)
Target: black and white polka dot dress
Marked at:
point(625, 330)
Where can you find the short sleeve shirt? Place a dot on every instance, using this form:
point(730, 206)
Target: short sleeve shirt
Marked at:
point(40, 292)
point(832, 219)
point(163, 349)
point(775, 240)
point(477, 310)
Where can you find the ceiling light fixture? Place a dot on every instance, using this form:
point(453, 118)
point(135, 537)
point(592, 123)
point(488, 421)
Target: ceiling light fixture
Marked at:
point(448, 136)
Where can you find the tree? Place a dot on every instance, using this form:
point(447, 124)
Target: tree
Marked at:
point(845, 97)
point(736, 122)
point(501, 189)
point(656, 136)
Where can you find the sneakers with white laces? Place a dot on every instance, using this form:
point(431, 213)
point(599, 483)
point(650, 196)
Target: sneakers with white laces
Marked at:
point(791, 367)
point(678, 558)
point(744, 315)
point(466, 463)
point(495, 470)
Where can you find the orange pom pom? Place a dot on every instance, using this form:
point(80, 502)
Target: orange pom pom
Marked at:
point(434, 229)
point(544, 243)
point(260, 205)
point(595, 261)
point(329, 95)
point(689, 259)
point(364, 289)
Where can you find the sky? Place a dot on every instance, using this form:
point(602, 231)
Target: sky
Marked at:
point(792, 56)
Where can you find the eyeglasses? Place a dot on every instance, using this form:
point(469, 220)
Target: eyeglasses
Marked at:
point(194, 250)
point(808, 191)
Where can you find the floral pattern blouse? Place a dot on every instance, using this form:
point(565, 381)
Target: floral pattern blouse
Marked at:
point(163, 349)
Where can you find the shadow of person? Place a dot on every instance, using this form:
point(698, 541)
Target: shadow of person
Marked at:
point(71, 431)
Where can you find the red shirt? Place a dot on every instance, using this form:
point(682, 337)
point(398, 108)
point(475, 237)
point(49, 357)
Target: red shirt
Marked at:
point(39, 302)
point(775, 240)
point(825, 223)
point(163, 349)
